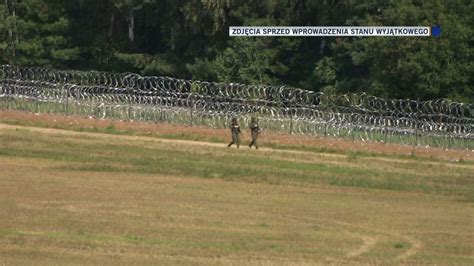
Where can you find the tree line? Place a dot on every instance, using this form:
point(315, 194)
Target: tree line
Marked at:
point(189, 39)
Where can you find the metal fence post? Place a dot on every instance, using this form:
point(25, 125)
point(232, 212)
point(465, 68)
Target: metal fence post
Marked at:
point(67, 106)
point(36, 105)
point(416, 135)
point(67, 102)
point(353, 133)
point(291, 125)
point(191, 122)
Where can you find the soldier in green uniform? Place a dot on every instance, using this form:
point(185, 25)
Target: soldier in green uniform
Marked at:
point(235, 130)
point(255, 130)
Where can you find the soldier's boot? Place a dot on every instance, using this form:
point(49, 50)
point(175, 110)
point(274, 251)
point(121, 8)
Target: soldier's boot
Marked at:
point(253, 143)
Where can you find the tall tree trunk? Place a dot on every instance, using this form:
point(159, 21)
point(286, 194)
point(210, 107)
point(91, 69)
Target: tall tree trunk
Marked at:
point(17, 40)
point(322, 46)
point(131, 25)
point(112, 24)
point(10, 30)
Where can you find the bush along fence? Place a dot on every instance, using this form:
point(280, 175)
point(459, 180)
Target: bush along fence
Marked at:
point(128, 96)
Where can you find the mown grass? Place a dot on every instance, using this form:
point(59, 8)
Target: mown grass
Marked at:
point(81, 198)
point(111, 129)
point(86, 153)
point(98, 239)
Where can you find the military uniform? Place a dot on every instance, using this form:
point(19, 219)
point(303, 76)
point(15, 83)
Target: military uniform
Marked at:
point(235, 131)
point(255, 130)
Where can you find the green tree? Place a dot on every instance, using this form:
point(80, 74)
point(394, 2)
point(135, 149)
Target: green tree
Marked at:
point(128, 9)
point(407, 67)
point(250, 61)
point(34, 34)
point(189, 39)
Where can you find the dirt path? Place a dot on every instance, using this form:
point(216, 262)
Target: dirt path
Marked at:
point(267, 138)
point(415, 245)
point(366, 246)
point(219, 145)
point(368, 241)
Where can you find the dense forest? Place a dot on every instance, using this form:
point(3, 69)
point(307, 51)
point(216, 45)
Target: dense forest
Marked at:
point(189, 39)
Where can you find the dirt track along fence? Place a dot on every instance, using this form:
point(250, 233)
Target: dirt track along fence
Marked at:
point(440, 123)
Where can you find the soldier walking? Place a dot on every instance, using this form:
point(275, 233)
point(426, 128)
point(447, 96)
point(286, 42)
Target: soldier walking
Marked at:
point(255, 130)
point(235, 130)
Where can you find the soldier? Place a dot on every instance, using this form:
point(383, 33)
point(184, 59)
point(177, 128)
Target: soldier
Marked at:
point(235, 130)
point(255, 130)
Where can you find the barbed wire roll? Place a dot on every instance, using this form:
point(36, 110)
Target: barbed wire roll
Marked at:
point(280, 108)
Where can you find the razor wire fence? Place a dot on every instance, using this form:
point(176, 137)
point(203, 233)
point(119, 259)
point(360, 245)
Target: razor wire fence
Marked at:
point(440, 123)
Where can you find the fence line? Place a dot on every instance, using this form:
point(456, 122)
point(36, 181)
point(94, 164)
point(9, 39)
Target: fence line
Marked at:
point(440, 123)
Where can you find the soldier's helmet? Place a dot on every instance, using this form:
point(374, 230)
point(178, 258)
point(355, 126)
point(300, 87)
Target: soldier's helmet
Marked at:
point(234, 120)
point(253, 119)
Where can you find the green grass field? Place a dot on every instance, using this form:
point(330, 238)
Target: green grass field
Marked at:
point(69, 197)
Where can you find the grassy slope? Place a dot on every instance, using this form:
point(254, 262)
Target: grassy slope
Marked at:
point(146, 199)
